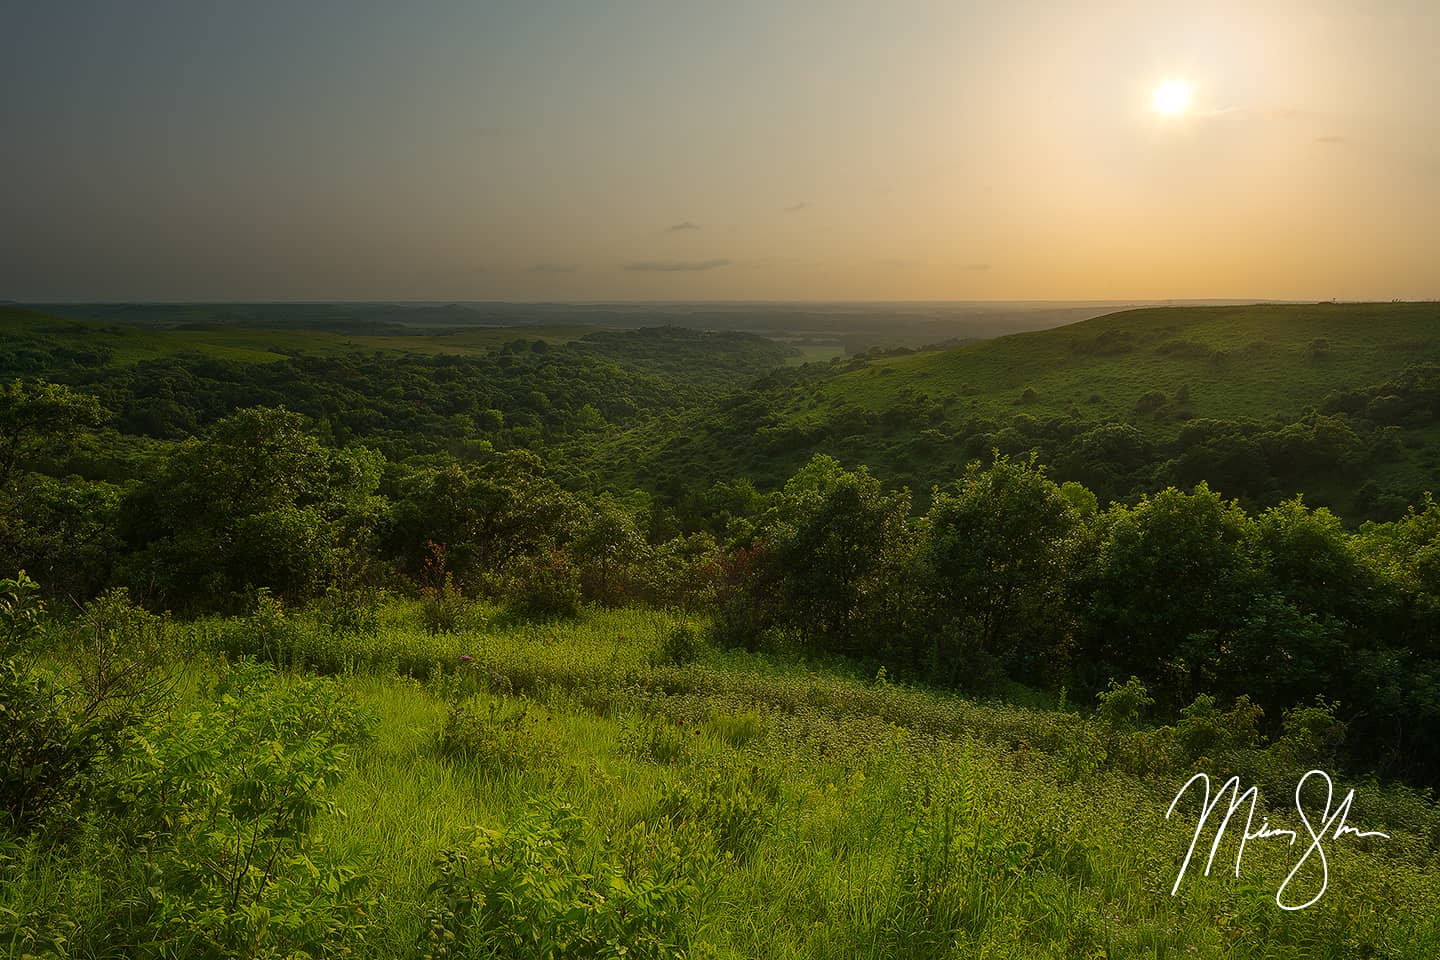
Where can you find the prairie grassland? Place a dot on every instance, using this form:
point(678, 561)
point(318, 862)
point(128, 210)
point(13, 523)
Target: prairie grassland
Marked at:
point(740, 806)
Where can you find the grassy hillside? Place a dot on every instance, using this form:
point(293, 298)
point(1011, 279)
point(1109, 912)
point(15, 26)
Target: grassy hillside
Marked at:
point(1340, 402)
point(729, 807)
point(1235, 362)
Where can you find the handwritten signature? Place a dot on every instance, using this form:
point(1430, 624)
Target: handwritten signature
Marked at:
point(1332, 825)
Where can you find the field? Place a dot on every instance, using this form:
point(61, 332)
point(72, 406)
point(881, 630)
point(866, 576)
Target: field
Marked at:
point(734, 806)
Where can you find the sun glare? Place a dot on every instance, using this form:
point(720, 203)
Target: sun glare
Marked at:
point(1172, 98)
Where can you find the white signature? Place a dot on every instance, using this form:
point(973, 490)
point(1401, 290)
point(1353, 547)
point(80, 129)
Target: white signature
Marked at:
point(1331, 825)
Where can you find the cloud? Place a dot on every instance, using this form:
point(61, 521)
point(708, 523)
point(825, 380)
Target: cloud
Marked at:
point(553, 268)
point(798, 207)
point(682, 227)
point(675, 266)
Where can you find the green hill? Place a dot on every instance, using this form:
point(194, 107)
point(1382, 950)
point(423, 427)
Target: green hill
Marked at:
point(1233, 362)
point(1339, 402)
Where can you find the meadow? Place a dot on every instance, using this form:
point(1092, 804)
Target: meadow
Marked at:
point(610, 786)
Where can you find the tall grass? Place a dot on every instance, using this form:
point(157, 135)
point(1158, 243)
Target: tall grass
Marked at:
point(771, 810)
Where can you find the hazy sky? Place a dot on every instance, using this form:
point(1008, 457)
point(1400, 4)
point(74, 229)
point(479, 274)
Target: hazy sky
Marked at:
point(774, 149)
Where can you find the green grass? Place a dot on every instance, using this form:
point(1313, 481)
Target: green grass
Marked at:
point(1258, 364)
point(868, 820)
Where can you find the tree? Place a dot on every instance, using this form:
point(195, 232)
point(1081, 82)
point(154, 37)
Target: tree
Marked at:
point(995, 564)
point(608, 545)
point(483, 515)
point(36, 415)
point(258, 502)
point(59, 529)
point(1174, 575)
point(833, 537)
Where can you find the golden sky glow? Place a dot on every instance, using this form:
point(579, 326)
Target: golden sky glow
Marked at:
point(749, 150)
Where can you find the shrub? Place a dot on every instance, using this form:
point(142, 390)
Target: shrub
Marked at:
point(49, 753)
point(266, 633)
point(20, 612)
point(546, 587)
point(1204, 732)
point(121, 655)
point(442, 608)
point(52, 746)
point(1310, 734)
point(350, 613)
point(532, 890)
point(732, 805)
point(221, 803)
point(495, 737)
point(738, 624)
point(649, 736)
point(1121, 704)
point(681, 646)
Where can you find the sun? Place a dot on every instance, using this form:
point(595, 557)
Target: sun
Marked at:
point(1171, 98)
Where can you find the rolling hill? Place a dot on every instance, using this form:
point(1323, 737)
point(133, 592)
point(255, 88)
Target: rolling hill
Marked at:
point(1336, 401)
point(1233, 362)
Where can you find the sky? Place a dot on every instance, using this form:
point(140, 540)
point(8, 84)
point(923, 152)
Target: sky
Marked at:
point(745, 149)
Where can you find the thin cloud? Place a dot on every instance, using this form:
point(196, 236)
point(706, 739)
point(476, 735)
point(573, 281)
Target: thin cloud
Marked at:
point(553, 268)
point(682, 227)
point(798, 207)
point(676, 266)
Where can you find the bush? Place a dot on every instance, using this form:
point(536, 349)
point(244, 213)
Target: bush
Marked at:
point(266, 633)
point(532, 890)
point(248, 772)
point(733, 806)
point(494, 737)
point(350, 613)
point(49, 754)
point(1310, 734)
point(442, 608)
point(52, 745)
point(737, 625)
point(1205, 734)
point(121, 656)
point(681, 646)
point(1121, 704)
point(546, 587)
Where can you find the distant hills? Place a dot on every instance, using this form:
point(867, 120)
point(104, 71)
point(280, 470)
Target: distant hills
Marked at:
point(1340, 402)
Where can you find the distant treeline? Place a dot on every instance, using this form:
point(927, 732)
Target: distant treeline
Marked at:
point(525, 394)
